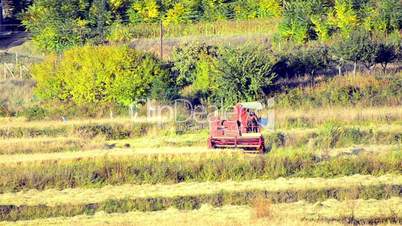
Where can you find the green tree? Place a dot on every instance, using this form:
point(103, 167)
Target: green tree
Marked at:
point(245, 74)
point(144, 11)
point(99, 18)
point(100, 76)
point(297, 24)
point(213, 10)
point(179, 14)
point(384, 16)
point(186, 58)
point(54, 24)
point(359, 47)
point(386, 53)
point(269, 8)
point(344, 17)
point(246, 9)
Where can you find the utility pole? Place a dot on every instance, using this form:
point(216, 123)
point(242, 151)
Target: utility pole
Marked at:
point(161, 39)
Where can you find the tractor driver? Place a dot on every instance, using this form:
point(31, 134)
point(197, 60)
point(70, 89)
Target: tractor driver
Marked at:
point(252, 123)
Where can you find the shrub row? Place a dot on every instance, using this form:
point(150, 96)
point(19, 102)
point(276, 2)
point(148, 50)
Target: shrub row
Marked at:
point(26, 212)
point(154, 169)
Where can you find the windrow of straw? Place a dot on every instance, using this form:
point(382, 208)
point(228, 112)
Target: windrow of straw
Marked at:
point(109, 130)
point(297, 214)
point(33, 204)
point(220, 166)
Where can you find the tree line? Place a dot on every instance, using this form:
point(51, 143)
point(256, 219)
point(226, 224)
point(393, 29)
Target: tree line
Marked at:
point(57, 25)
point(120, 76)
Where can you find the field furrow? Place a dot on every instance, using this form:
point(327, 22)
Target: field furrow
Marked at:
point(83, 196)
point(173, 168)
point(170, 151)
point(328, 212)
point(70, 202)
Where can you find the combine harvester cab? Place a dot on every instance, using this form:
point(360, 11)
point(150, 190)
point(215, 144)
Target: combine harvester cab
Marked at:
point(241, 130)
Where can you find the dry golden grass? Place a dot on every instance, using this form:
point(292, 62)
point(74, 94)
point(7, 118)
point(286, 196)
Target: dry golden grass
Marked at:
point(370, 115)
point(191, 152)
point(349, 115)
point(297, 214)
point(23, 123)
point(47, 144)
point(262, 208)
point(53, 197)
point(164, 152)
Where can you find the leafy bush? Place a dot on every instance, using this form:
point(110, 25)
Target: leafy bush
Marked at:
point(244, 74)
point(185, 60)
point(34, 113)
point(103, 75)
point(301, 61)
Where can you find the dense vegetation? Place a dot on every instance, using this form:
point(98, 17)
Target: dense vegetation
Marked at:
point(57, 24)
point(118, 76)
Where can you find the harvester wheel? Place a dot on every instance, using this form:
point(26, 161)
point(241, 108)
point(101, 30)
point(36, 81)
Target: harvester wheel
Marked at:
point(210, 145)
point(262, 149)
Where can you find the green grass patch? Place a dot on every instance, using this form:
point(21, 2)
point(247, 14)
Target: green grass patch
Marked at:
point(154, 169)
point(31, 205)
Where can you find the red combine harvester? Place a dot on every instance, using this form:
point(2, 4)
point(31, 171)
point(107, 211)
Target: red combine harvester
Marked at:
point(241, 130)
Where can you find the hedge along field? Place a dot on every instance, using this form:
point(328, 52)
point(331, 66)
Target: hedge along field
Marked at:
point(183, 168)
point(51, 203)
point(329, 212)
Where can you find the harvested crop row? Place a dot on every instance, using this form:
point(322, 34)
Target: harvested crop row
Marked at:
point(292, 118)
point(115, 130)
point(328, 212)
point(171, 151)
point(53, 197)
point(51, 203)
point(335, 136)
point(211, 166)
point(19, 123)
point(99, 154)
point(46, 145)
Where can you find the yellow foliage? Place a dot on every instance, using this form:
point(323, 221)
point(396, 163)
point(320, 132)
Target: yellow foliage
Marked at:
point(148, 9)
point(116, 4)
point(343, 16)
point(176, 15)
point(270, 8)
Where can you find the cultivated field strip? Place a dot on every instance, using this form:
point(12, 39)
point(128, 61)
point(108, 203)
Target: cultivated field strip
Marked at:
point(53, 197)
point(211, 166)
point(99, 154)
point(109, 129)
point(18, 123)
point(47, 145)
point(328, 212)
point(324, 167)
point(72, 202)
point(286, 118)
point(170, 151)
